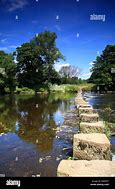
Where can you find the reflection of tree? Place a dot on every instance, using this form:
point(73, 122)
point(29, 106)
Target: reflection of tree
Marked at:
point(36, 124)
point(8, 115)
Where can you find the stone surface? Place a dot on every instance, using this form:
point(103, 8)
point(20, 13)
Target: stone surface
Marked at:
point(83, 168)
point(86, 110)
point(89, 117)
point(97, 127)
point(80, 102)
point(91, 147)
point(84, 105)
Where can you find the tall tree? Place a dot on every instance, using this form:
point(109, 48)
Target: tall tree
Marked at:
point(102, 73)
point(36, 60)
point(7, 72)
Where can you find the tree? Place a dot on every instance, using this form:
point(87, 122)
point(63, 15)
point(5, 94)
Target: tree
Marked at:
point(69, 74)
point(36, 60)
point(102, 68)
point(7, 72)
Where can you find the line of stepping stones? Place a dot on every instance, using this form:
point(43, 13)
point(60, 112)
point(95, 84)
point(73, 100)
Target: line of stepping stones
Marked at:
point(91, 147)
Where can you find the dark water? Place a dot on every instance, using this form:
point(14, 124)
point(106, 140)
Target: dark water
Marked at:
point(28, 142)
point(100, 102)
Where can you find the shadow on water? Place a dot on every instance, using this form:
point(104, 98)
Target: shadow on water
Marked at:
point(28, 143)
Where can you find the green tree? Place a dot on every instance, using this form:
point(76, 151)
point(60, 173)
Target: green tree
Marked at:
point(7, 72)
point(36, 60)
point(102, 68)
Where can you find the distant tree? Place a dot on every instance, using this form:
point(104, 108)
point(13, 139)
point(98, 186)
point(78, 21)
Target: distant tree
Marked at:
point(7, 72)
point(69, 71)
point(69, 74)
point(102, 68)
point(36, 60)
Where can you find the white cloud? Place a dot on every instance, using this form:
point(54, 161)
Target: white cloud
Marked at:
point(58, 66)
point(58, 27)
point(12, 5)
point(34, 21)
point(13, 46)
point(3, 40)
point(4, 48)
point(8, 48)
point(86, 75)
point(91, 63)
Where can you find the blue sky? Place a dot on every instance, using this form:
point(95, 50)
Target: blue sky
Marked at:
point(80, 39)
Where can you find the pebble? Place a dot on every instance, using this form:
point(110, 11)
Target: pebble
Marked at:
point(36, 141)
point(40, 160)
point(1, 134)
point(57, 158)
point(47, 158)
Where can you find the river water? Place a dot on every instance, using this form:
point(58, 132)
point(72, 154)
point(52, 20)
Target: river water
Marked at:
point(29, 145)
point(101, 102)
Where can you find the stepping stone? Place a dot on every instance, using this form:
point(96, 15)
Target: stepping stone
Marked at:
point(91, 147)
point(97, 127)
point(87, 110)
point(83, 168)
point(80, 101)
point(89, 117)
point(83, 105)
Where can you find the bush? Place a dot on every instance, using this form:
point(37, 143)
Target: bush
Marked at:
point(108, 130)
point(71, 88)
point(24, 91)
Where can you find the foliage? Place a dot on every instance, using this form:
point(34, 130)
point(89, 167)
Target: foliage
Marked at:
point(24, 91)
point(108, 114)
point(69, 71)
point(33, 68)
point(70, 158)
point(36, 60)
point(7, 72)
point(101, 70)
point(70, 88)
point(69, 74)
point(108, 130)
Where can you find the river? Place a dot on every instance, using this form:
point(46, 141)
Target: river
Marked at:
point(29, 145)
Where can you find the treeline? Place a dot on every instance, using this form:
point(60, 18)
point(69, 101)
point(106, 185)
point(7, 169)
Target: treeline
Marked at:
point(32, 65)
point(103, 69)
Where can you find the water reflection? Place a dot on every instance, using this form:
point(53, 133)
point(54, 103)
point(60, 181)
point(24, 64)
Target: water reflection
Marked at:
point(34, 119)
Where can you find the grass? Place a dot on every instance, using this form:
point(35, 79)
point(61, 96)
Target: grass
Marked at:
point(25, 91)
point(71, 88)
point(107, 129)
point(55, 88)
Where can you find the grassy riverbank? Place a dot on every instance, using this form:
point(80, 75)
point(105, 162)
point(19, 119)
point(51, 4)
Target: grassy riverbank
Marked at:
point(71, 88)
point(55, 88)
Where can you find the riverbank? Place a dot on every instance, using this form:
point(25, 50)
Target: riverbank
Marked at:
point(54, 89)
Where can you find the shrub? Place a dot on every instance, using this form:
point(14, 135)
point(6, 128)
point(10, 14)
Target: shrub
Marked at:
point(108, 130)
point(25, 91)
